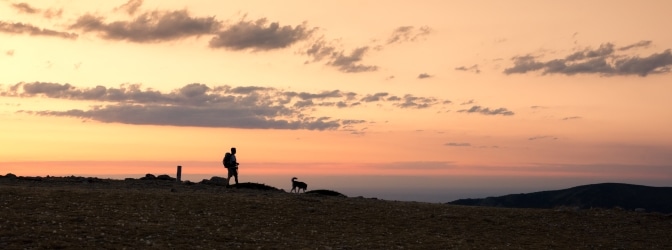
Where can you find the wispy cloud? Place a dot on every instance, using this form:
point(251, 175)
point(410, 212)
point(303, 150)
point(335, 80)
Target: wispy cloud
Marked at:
point(410, 101)
point(458, 144)
point(408, 34)
point(473, 68)
point(349, 63)
point(321, 50)
point(602, 61)
point(161, 26)
point(375, 97)
point(259, 35)
point(255, 35)
point(52, 13)
point(548, 137)
point(352, 62)
point(471, 101)
point(487, 111)
point(203, 106)
point(155, 26)
point(24, 28)
point(130, 7)
point(192, 105)
point(424, 75)
point(572, 118)
point(25, 8)
point(643, 43)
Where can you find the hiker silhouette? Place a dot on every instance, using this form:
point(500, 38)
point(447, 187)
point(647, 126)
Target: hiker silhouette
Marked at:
point(231, 164)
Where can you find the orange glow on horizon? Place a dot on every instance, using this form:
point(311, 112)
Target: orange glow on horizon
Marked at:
point(139, 169)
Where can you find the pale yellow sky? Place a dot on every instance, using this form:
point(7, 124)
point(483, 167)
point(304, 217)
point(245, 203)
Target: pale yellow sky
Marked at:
point(473, 84)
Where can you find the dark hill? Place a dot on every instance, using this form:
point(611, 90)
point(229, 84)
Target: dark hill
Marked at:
point(604, 195)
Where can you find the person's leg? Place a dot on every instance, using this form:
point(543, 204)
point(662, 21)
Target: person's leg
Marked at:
point(236, 176)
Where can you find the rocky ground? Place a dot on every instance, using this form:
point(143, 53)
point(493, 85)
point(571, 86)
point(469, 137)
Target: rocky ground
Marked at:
point(91, 213)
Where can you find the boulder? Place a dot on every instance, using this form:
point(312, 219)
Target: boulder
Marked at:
point(165, 177)
point(215, 180)
point(148, 177)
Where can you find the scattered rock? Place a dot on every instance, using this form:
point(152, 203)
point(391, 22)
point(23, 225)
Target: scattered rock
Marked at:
point(189, 183)
point(326, 193)
point(30, 178)
point(165, 177)
point(148, 177)
point(256, 186)
point(215, 180)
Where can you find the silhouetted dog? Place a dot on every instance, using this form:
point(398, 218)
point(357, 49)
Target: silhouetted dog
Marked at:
point(297, 185)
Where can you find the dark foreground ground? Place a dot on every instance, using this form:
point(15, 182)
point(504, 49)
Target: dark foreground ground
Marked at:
point(136, 214)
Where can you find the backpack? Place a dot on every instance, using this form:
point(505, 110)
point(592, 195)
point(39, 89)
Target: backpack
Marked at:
point(227, 160)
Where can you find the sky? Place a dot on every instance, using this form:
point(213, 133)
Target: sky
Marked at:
point(406, 100)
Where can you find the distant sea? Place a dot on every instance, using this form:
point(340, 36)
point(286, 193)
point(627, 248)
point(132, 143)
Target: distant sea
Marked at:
point(434, 189)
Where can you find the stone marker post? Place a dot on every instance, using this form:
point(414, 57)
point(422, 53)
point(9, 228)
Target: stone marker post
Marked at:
point(179, 174)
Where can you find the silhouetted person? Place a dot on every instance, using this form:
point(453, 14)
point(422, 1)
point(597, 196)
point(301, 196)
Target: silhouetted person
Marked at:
point(231, 165)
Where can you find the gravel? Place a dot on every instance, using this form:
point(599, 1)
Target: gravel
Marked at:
point(76, 212)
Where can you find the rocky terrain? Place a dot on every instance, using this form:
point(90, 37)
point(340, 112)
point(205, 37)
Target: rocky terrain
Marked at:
point(92, 213)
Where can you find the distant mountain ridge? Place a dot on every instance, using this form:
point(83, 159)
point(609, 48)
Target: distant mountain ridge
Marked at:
point(603, 195)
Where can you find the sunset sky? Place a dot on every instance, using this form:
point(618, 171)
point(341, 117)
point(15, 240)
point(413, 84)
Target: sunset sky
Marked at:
point(428, 97)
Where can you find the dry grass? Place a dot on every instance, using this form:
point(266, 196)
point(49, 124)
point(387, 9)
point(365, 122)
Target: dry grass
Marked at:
point(160, 214)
